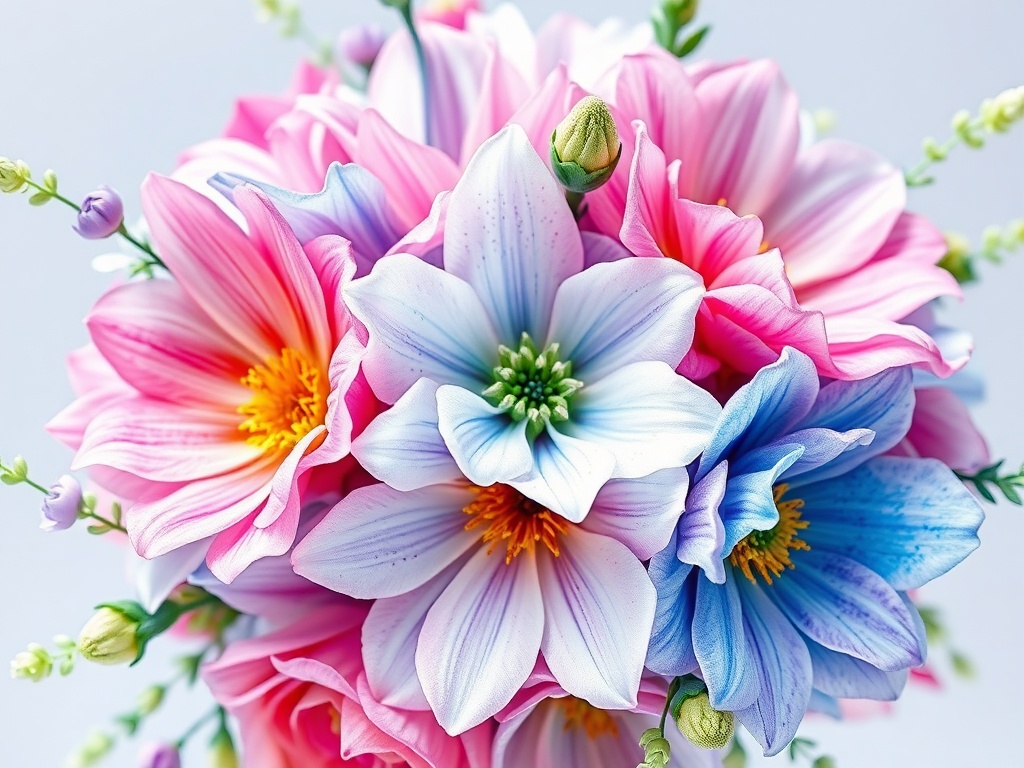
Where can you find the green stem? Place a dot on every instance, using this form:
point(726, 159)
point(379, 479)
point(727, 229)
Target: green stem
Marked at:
point(187, 607)
point(421, 58)
point(914, 176)
point(193, 729)
point(673, 688)
point(55, 195)
point(109, 523)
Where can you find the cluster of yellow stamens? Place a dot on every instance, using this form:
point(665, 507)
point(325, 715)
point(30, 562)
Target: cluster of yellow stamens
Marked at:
point(579, 714)
point(289, 400)
point(521, 523)
point(767, 552)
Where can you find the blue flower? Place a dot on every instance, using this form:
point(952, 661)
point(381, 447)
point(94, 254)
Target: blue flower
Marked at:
point(787, 573)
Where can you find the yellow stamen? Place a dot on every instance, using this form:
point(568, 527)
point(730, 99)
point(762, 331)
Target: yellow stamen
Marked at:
point(289, 400)
point(512, 518)
point(579, 714)
point(768, 551)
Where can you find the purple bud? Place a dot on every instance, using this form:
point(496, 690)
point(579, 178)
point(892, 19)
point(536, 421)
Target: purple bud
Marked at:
point(60, 508)
point(360, 45)
point(159, 756)
point(101, 215)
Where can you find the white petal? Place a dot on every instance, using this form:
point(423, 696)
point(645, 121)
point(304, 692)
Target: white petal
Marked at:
point(480, 640)
point(511, 235)
point(598, 613)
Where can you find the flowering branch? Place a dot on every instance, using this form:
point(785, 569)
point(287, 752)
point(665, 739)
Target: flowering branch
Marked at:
point(997, 244)
point(1006, 484)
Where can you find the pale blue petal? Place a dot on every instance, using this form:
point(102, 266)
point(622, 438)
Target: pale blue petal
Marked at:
point(486, 444)
point(784, 665)
point(845, 607)
point(701, 533)
point(353, 204)
point(822, 446)
point(844, 677)
point(908, 520)
point(749, 502)
point(728, 664)
point(623, 312)
point(671, 649)
point(403, 447)
point(567, 474)
point(422, 323)
point(766, 408)
point(640, 512)
point(511, 235)
point(646, 415)
point(379, 542)
point(883, 403)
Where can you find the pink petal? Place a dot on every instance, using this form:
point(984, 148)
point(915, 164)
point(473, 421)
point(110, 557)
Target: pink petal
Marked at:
point(318, 131)
point(943, 429)
point(862, 347)
point(542, 112)
point(503, 91)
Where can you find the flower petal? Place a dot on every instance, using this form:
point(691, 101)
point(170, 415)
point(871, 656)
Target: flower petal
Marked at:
point(403, 447)
point(422, 322)
point(627, 311)
point(701, 534)
point(486, 444)
point(845, 677)
point(671, 647)
point(513, 241)
point(379, 542)
point(598, 610)
point(729, 666)
point(480, 641)
point(908, 520)
point(647, 416)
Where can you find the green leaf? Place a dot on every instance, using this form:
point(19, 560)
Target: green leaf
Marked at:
point(961, 664)
point(98, 529)
point(40, 198)
point(691, 43)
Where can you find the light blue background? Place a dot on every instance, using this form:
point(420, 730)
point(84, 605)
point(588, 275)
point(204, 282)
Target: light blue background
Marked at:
point(105, 91)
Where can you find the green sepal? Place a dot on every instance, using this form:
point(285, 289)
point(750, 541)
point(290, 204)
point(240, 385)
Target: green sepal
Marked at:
point(691, 43)
point(574, 178)
point(687, 687)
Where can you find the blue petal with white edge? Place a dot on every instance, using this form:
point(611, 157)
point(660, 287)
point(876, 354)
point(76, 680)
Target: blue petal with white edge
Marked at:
point(353, 204)
point(908, 520)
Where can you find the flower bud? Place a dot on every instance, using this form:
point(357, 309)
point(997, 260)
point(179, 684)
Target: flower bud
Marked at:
point(360, 45)
point(958, 261)
point(451, 13)
point(1000, 113)
point(109, 637)
point(13, 175)
point(222, 751)
point(703, 725)
point(96, 747)
point(159, 756)
point(60, 508)
point(680, 12)
point(585, 147)
point(101, 215)
point(151, 699)
point(34, 664)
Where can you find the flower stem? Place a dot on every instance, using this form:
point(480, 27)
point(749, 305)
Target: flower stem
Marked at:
point(193, 729)
point(421, 57)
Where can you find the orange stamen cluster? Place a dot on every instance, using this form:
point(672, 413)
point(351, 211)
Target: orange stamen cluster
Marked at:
point(521, 523)
point(768, 552)
point(289, 400)
point(579, 714)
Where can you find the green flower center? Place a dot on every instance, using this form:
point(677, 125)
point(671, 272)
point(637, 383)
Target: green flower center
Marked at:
point(532, 384)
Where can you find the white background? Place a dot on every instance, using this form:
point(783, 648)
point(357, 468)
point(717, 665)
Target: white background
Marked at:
point(105, 91)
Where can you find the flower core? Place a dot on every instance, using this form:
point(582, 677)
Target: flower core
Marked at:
point(516, 520)
point(580, 714)
point(532, 384)
point(289, 400)
point(768, 551)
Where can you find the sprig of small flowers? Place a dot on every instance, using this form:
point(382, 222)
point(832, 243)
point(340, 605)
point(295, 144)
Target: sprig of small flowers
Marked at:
point(997, 244)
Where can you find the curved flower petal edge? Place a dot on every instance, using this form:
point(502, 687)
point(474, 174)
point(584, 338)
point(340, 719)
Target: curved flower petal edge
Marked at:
point(822, 539)
point(551, 378)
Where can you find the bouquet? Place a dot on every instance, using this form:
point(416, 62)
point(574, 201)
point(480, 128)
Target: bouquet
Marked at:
point(500, 398)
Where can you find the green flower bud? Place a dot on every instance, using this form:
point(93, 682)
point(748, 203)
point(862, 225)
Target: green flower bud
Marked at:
point(96, 747)
point(585, 147)
point(958, 261)
point(1000, 113)
point(34, 664)
point(222, 751)
point(703, 725)
point(824, 762)
point(680, 12)
point(13, 175)
point(151, 699)
point(109, 637)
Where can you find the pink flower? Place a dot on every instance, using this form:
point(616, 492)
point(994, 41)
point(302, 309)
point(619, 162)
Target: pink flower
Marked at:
point(544, 727)
point(838, 263)
point(452, 13)
point(238, 379)
point(301, 699)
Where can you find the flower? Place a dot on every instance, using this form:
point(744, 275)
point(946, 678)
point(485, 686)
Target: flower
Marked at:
point(586, 141)
point(300, 697)
point(789, 567)
point(544, 726)
point(14, 175)
point(109, 637)
point(60, 507)
point(850, 263)
point(238, 379)
point(452, 13)
point(543, 376)
point(34, 664)
point(101, 214)
point(360, 45)
point(159, 756)
point(474, 582)
point(703, 725)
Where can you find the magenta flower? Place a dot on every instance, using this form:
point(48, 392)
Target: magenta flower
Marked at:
point(235, 377)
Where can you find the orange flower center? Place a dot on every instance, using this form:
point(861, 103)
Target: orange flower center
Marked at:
point(768, 552)
point(521, 523)
point(579, 714)
point(289, 400)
